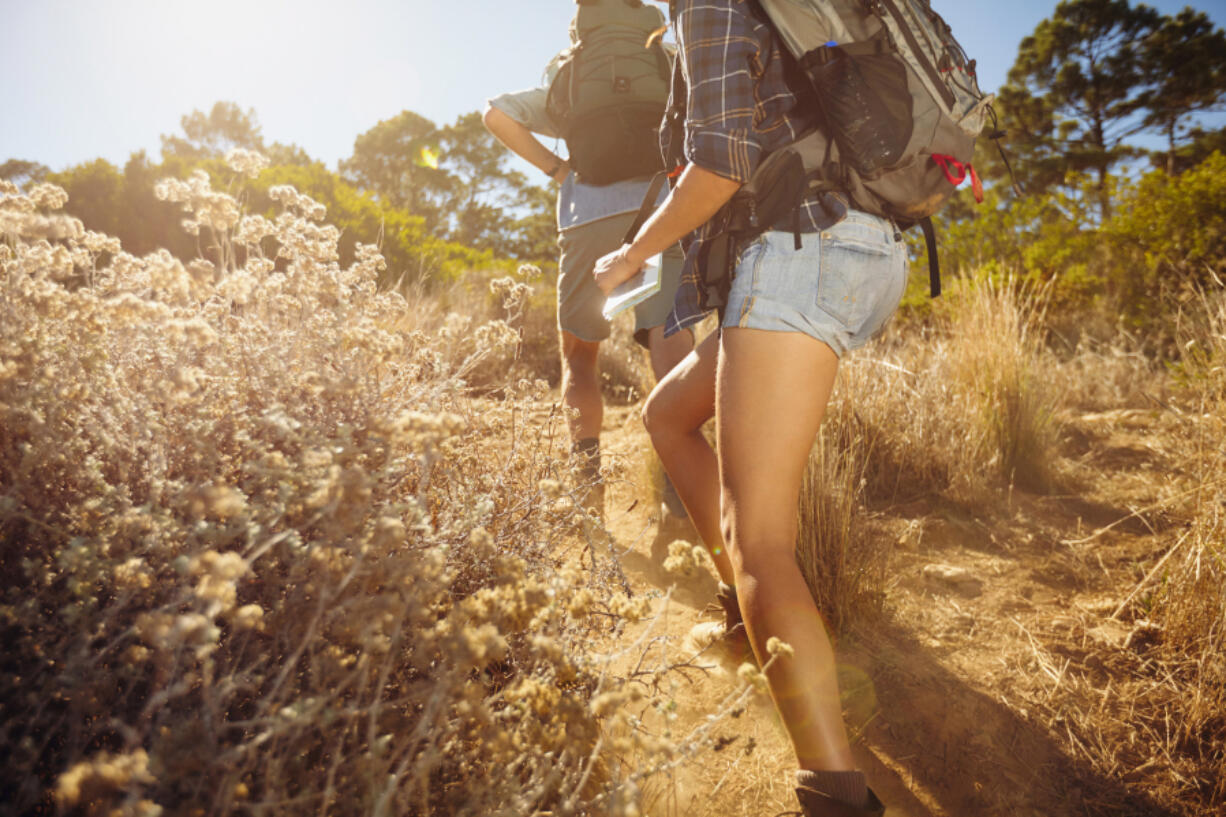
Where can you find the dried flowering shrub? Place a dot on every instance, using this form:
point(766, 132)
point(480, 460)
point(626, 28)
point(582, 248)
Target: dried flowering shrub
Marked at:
point(263, 551)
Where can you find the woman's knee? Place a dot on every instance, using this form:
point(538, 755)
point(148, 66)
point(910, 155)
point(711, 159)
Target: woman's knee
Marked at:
point(763, 561)
point(759, 550)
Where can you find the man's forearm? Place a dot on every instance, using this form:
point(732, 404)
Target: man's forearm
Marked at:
point(519, 140)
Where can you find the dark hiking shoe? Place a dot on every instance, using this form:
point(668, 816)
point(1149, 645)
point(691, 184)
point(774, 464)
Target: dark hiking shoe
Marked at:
point(728, 602)
point(730, 634)
point(814, 803)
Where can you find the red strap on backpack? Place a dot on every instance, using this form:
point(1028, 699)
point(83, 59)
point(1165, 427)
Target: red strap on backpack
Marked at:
point(956, 173)
point(976, 184)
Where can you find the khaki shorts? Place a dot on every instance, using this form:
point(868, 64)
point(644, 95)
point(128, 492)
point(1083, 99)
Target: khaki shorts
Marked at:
point(580, 300)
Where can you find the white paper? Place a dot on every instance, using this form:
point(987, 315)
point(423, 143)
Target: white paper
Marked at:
point(636, 290)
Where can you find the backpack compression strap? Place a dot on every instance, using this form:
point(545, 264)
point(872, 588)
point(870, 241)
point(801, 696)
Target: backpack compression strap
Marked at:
point(934, 264)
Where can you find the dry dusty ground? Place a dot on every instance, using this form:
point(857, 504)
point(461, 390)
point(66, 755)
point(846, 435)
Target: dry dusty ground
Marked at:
point(957, 692)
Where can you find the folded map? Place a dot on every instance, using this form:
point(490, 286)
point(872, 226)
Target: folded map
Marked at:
point(636, 290)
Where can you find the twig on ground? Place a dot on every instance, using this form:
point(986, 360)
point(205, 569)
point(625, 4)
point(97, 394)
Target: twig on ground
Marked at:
point(1148, 576)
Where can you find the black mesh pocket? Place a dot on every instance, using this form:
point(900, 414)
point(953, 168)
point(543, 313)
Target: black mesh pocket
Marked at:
point(866, 102)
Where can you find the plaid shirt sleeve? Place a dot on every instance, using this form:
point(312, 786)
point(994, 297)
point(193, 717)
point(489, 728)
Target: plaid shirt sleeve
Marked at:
point(719, 50)
point(739, 109)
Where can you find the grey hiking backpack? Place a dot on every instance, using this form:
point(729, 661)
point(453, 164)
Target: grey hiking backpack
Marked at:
point(900, 98)
point(900, 107)
point(900, 101)
point(611, 91)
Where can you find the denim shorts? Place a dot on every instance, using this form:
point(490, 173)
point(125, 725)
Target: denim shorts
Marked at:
point(841, 287)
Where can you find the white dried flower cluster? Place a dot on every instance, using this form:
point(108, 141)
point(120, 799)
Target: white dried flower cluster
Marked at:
point(217, 586)
point(100, 243)
point(20, 216)
point(209, 208)
point(777, 646)
point(419, 431)
point(88, 782)
point(248, 163)
point(48, 196)
point(684, 558)
point(368, 262)
point(512, 292)
point(299, 203)
point(496, 338)
point(254, 229)
point(307, 245)
point(631, 609)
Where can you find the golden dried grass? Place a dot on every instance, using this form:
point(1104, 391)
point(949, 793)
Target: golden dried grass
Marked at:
point(266, 550)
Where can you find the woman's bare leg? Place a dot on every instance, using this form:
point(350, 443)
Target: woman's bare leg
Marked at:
point(773, 388)
point(674, 415)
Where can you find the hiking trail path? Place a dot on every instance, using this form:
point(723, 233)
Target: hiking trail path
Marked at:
point(953, 695)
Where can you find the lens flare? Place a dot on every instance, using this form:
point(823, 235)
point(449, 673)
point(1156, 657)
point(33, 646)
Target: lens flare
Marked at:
point(428, 158)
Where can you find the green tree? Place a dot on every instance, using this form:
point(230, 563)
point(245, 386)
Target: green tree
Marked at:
point(482, 191)
point(223, 128)
point(1186, 61)
point(1074, 93)
point(20, 172)
point(411, 251)
point(534, 235)
point(456, 178)
point(391, 160)
point(1198, 145)
point(1171, 231)
point(95, 191)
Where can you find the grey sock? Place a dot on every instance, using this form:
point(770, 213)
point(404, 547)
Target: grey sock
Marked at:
point(847, 787)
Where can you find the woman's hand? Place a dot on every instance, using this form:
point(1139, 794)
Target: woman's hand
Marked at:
point(615, 268)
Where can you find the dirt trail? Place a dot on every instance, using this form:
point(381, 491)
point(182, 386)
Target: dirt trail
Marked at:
point(952, 694)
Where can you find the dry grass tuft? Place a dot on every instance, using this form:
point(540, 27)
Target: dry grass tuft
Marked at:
point(1190, 606)
point(935, 408)
point(997, 358)
point(843, 566)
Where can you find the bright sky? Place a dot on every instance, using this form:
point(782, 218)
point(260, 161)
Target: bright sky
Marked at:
point(81, 79)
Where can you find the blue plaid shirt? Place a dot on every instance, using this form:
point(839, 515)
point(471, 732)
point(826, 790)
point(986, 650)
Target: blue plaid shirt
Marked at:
point(738, 110)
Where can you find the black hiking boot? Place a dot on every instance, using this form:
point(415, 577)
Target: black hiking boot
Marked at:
point(814, 803)
point(735, 638)
point(729, 635)
point(726, 596)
